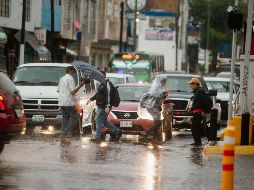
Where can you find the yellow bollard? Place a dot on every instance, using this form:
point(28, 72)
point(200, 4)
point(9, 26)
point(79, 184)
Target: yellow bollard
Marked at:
point(227, 180)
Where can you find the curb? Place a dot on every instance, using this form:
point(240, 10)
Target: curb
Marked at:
point(239, 150)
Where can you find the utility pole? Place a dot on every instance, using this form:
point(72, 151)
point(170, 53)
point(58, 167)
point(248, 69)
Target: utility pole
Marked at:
point(52, 30)
point(121, 27)
point(230, 102)
point(177, 33)
point(135, 25)
point(207, 37)
point(22, 38)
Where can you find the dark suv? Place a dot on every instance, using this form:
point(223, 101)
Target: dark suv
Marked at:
point(180, 95)
point(12, 118)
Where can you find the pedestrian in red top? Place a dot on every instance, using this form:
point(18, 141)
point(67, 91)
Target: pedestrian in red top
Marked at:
point(197, 105)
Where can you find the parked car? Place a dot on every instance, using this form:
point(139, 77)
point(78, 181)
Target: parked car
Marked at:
point(226, 75)
point(222, 85)
point(12, 117)
point(180, 96)
point(37, 83)
point(116, 78)
point(130, 117)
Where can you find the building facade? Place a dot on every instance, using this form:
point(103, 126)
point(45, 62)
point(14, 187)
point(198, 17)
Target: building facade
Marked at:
point(108, 36)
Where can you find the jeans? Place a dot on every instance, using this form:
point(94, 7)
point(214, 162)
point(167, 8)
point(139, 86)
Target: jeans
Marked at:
point(101, 121)
point(69, 118)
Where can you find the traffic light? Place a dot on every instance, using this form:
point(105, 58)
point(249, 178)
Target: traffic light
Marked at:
point(235, 18)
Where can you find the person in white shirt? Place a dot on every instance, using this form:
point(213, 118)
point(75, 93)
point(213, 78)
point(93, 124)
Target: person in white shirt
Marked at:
point(67, 91)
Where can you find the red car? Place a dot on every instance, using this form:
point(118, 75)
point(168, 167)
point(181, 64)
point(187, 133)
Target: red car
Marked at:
point(132, 119)
point(12, 117)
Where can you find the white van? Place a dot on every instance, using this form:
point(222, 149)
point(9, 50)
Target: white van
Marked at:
point(37, 83)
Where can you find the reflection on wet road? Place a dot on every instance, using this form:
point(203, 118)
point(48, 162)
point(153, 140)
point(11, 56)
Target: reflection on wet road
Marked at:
point(46, 162)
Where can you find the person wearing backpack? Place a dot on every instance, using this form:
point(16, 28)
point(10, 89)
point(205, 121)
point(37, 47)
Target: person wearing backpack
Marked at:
point(105, 98)
point(197, 109)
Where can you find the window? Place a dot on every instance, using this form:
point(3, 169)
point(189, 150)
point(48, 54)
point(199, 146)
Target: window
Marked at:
point(109, 8)
point(85, 16)
point(5, 8)
point(6, 84)
point(59, 2)
point(116, 10)
point(28, 10)
point(93, 18)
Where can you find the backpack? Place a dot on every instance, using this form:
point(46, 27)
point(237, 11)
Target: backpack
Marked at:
point(115, 98)
point(207, 104)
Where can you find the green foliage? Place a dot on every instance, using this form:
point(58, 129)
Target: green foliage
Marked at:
point(218, 30)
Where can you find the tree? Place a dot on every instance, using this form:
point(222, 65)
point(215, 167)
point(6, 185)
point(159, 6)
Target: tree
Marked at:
point(218, 30)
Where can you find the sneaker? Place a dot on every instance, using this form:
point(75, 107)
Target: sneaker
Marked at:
point(196, 144)
point(212, 143)
point(95, 140)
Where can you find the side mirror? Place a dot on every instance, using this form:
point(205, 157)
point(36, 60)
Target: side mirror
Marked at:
point(212, 92)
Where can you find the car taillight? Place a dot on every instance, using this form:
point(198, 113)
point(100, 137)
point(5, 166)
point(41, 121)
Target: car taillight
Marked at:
point(2, 106)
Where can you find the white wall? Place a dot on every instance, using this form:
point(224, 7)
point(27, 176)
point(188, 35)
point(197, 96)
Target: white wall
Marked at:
point(165, 47)
point(15, 19)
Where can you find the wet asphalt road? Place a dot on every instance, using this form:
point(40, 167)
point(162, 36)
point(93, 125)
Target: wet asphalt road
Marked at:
point(45, 162)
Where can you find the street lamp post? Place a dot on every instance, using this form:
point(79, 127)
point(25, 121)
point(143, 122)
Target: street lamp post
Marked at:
point(135, 26)
point(230, 104)
point(207, 37)
point(135, 6)
point(22, 38)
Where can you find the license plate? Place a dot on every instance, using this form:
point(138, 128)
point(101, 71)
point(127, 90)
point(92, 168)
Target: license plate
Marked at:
point(125, 123)
point(19, 112)
point(38, 118)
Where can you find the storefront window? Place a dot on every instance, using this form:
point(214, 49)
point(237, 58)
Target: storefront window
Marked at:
point(5, 8)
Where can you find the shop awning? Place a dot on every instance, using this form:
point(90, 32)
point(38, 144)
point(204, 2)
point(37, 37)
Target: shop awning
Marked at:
point(32, 40)
point(3, 37)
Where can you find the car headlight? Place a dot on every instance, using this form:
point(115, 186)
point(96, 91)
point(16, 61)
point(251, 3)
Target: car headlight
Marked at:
point(144, 114)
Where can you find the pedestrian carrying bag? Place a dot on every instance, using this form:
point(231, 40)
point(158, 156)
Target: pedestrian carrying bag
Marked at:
point(115, 98)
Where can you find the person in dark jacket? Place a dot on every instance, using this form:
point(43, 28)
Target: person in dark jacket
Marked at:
point(199, 95)
point(103, 102)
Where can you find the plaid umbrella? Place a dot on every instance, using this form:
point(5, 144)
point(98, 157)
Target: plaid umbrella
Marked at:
point(89, 70)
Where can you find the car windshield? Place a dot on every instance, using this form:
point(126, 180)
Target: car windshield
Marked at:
point(132, 93)
point(220, 86)
point(179, 84)
point(40, 76)
point(115, 80)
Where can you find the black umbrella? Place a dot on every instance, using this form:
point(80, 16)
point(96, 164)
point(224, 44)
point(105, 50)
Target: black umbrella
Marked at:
point(89, 70)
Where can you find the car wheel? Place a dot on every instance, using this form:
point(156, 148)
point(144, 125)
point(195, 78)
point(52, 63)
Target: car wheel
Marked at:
point(1, 145)
point(29, 129)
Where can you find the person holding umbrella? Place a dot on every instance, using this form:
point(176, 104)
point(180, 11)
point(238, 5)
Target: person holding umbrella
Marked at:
point(103, 101)
point(67, 101)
